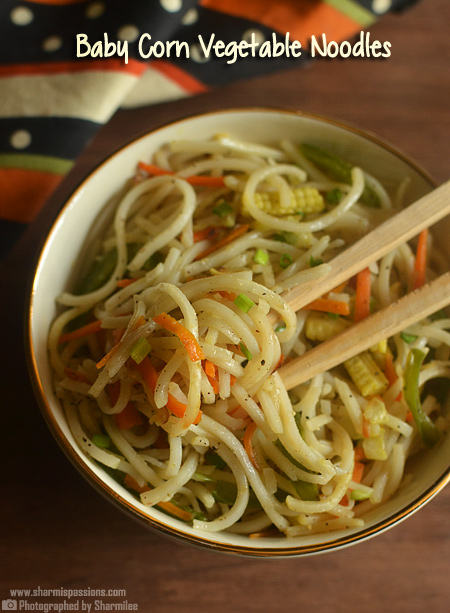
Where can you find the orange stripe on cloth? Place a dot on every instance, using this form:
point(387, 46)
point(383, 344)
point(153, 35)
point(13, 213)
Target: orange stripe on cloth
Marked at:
point(105, 65)
point(300, 19)
point(57, 1)
point(24, 192)
point(180, 77)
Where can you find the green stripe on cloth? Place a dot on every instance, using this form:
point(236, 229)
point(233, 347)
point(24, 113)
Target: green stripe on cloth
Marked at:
point(354, 11)
point(42, 163)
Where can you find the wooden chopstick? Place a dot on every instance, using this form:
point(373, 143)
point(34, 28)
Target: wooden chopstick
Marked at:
point(383, 324)
point(370, 248)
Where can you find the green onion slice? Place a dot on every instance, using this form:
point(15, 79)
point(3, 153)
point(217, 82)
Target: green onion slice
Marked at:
point(261, 257)
point(101, 440)
point(222, 210)
point(244, 303)
point(140, 349)
point(245, 351)
point(285, 260)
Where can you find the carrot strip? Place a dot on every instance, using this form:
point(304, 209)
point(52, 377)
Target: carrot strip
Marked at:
point(366, 428)
point(128, 417)
point(91, 328)
point(227, 295)
point(235, 233)
point(359, 454)
point(337, 307)
point(358, 471)
point(125, 282)
point(202, 180)
point(420, 263)
point(210, 368)
point(339, 288)
point(248, 436)
point(209, 232)
point(167, 322)
point(152, 169)
point(150, 376)
point(362, 297)
point(391, 374)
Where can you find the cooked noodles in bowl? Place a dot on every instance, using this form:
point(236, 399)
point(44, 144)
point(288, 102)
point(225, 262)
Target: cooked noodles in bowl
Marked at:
point(166, 351)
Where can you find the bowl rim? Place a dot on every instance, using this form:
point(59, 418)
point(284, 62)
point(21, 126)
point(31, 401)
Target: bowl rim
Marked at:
point(101, 486)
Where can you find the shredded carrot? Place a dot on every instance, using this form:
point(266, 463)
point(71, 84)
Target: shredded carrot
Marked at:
point(339, 288)
point(210, 368)
point(214, 384)
point(409, 417)
point(171, 508)
point(131, 482)
point(235, 233)
point(140, 321)
point(359, 453)
point(344, 501)
point(75, 375)
point(358, 471)
point(128, 418)
point(150, 376)
point(362, 297)
point(391, 374)
point(212, 374)
point(152, 169)
point(366, 428)
point(227, 295)
point(203, 180)
point(125, 282)
point(248, 436)
point(191, 344)
point(91, 328)
point(174, 510)
point(420, 263)
point(209, 232)
point(337, 307)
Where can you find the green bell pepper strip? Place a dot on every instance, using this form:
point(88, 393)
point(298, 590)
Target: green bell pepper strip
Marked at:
point(426, 427)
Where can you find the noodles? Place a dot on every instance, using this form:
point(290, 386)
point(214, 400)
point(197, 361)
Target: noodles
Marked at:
point(176, 389)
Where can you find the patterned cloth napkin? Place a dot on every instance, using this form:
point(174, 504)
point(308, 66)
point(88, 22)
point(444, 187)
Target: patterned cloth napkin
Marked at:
point(52, 102)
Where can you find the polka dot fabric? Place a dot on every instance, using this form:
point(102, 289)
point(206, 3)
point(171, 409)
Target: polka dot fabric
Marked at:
point(52, 103)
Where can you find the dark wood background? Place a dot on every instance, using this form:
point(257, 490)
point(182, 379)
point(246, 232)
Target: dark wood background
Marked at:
point(59, 532)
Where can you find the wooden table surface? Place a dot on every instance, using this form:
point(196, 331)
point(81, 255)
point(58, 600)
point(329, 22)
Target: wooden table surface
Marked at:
point(59, 532)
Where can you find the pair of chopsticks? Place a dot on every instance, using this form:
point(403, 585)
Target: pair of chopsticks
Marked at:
point(389, 321)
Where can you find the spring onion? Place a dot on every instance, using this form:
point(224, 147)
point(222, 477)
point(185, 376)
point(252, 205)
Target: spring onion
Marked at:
point(222, 210)
point(244, 303)
point(425, 426)
point(334, 196)
point(261, 257)
point(101, 440)
point(245, 351)
point(315, 261)
point(359, 495)
point(408, 338)
point(285, 237)
point(285, 260)
point(140, 349)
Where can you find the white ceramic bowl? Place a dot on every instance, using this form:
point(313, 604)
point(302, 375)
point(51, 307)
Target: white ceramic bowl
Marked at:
point(67, 237)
